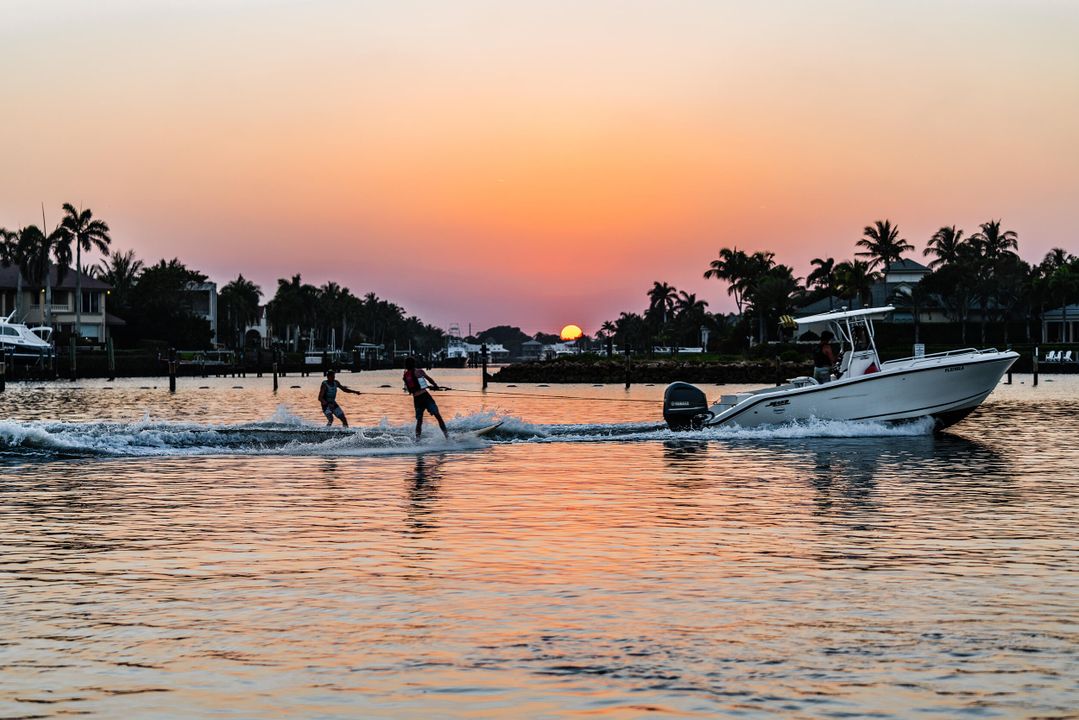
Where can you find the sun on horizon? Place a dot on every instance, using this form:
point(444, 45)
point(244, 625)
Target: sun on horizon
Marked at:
point(571, 332)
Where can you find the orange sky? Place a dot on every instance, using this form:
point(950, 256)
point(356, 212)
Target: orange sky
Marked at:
point(535, 163)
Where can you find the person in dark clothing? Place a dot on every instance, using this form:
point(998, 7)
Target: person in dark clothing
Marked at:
point(824, 358)
point(417, 383)
point(327, 397)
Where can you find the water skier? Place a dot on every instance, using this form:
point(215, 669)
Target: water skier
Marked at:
point(327, 396)
point(416, 383)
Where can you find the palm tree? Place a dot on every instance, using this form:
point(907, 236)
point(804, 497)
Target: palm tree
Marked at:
point(661, 299)
point(992, 247)
point(993, 243)
point(292, 307)
point(882, 244)
point(823, 277)
point(774, 293)
point(86, 233)
point(607, 330)
point(733, 267)
point(915, 297)
point(1057, 258)
point(855, 279)
point(630, 330)
point(334, 303)
point(691, 313)
point(11, 254)
point(37, 252)
point(121, 270)
point(239, 303)
point(945, 244)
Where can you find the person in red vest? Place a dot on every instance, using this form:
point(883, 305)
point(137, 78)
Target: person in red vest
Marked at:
point(417, 383)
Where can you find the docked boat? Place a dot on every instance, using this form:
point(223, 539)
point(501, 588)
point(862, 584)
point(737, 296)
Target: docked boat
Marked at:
point(22, 343)
point(945, 386)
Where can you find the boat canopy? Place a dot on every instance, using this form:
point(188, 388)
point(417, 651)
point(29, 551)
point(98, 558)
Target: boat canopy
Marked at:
point(843, 315)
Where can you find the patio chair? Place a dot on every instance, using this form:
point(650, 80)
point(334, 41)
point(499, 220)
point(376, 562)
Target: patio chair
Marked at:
point(1051, 356)
point(1067, 357)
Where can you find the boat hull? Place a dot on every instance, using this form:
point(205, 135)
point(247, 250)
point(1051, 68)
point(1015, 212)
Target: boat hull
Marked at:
point(946, 391)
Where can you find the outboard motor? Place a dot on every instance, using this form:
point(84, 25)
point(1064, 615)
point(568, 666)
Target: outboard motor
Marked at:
point(685, 407)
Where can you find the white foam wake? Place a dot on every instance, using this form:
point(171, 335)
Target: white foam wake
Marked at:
point(285, 433)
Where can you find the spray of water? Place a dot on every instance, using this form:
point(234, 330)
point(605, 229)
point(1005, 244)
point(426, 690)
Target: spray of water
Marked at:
point(285, 433)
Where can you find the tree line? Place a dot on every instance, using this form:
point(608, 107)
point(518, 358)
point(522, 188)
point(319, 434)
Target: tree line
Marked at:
point(979, 272)
point(155, 303)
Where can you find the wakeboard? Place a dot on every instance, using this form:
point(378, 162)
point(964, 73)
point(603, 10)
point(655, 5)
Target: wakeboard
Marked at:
point(477, 433)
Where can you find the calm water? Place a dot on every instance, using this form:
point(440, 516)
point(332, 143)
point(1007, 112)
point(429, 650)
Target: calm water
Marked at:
point(214, 554)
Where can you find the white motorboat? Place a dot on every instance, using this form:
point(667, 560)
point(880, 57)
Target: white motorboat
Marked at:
point(945, 386)
point(22, 343)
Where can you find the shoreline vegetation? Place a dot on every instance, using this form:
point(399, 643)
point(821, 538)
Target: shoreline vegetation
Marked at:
point(975, 290)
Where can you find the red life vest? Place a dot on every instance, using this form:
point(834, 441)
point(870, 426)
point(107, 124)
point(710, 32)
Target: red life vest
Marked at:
point(412, 383)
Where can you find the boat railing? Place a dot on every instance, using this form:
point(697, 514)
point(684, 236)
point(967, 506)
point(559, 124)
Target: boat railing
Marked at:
point(939, 355)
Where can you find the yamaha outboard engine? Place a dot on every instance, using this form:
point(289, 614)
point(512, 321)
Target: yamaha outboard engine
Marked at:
point(685, 407)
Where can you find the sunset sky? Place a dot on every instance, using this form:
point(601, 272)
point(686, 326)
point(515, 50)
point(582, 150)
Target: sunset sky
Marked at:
point(535, 163)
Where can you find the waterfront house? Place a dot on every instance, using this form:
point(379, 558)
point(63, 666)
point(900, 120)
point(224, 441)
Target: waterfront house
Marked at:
point(1060, 325)
point(202, 300)
point(531, 350)
point(95, 318)
point(258, 334)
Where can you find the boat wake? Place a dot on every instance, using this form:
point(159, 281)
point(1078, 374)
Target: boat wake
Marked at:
point(287, 434)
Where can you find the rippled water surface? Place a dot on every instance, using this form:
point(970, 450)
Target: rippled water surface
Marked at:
point(215, 553)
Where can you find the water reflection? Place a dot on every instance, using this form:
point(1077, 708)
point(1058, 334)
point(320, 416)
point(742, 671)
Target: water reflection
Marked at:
point(684, 453)
point(843, 473)
point(894, 576)
point(423, 492)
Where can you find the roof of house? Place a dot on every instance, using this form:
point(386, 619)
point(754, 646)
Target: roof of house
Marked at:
point(9, 278)
point(906, 265)
point(1057, 314)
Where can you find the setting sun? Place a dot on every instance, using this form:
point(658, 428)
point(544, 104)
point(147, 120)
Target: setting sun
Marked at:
point(571, 332)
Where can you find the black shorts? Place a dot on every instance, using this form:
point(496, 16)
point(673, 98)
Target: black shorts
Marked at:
point(422, 402)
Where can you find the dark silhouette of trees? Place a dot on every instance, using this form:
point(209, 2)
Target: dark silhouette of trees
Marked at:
point(160, 307)
point(36, 251)
point(292, 308)
point(733, 267)
point(237, 307)
point(823, 278)
point(12, 253)
point(854, 281)
point(945, 245)
point(773, 293)
point(121, 270)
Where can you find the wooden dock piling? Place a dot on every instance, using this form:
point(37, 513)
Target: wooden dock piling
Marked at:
point(483, 358)
point(110, 351)
point(1035, 367)
point(172, 370)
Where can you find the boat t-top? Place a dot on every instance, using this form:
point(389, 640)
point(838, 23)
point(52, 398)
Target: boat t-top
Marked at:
point(945, 386)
